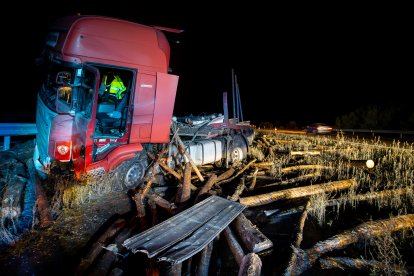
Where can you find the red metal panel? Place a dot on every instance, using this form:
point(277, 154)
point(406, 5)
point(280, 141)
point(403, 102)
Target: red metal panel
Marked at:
point(116, 156)
point(164, 105)
point(61, 130)
point(143, 109)
point(117, 40)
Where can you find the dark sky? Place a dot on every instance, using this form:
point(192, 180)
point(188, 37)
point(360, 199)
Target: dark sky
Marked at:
point(302, 63)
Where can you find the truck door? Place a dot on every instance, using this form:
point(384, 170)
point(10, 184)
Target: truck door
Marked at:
point(86, 85)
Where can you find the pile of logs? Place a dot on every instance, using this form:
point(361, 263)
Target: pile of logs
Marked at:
point(245, 241)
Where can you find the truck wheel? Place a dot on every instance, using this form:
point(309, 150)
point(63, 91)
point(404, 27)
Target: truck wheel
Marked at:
point(131, 173)
point(237, 149)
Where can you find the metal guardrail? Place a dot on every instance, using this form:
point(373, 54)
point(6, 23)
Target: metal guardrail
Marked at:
point(8, 130)
point(376, 131)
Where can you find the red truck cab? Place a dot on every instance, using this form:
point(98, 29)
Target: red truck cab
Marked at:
point(89, 134)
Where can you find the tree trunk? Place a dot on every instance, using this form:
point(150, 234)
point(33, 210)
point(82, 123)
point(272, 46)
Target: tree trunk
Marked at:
point(305, 167)
point(97, 246)
point(204, 263)
point(234, 246)
point(298, 192)
point(306, 258)
point(162, 203)
point(237, 174)
point(181, 148)
point(251, 265)
point(225, 175)
point(210, 182)
point(239, 189)
point(361, 264)
point(253, 239)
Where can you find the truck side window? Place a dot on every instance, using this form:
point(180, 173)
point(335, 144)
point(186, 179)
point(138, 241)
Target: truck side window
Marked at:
point(86, 94)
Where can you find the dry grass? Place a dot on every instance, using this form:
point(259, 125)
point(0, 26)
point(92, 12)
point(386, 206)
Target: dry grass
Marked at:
point(386, 252)
point(318, 206)
point(394, 163)
point(69, 193)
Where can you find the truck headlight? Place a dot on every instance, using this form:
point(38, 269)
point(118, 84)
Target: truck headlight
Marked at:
point(63, 151)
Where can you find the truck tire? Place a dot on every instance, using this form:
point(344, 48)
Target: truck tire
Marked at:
point(131, 172)
point(237, 149)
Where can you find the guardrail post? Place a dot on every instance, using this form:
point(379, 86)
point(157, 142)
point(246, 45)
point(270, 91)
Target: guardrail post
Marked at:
point(6, 143)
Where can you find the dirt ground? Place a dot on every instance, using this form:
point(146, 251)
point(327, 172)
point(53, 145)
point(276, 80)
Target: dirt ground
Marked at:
point(59, 247)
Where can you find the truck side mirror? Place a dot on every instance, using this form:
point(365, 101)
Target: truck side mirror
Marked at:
point(63, 77)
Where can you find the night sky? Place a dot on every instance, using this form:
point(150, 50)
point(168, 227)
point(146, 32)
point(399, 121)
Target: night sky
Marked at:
point(297, 63)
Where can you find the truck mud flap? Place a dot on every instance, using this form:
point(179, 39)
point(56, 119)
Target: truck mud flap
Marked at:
point(187, 233)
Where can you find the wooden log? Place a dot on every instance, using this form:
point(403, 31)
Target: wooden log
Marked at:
point(234, 246)
point(226, 174)
point(237, 174)
point(298, 240)
point(182, 150)
point(171, 171)
point(105, 262)
point(210, 182)
point(96, 247)
point(361, 264)
point(154, 215)
point(380, 196)
point(171, 270)
point(11, 205)
point(185, 196)
point(263, 165)
point(252, 238)
point(147, 186)
point(253, 184)
point(204, 262)
point(305, 152)
point(251, 265)
point(293, 180)
point(306, 258)
point(264, 140)
point(46, 218)
point(162, 203)
point(299, 236)
point(305, 167)
point(239, 190)
point(139, 203)
point(298, 192)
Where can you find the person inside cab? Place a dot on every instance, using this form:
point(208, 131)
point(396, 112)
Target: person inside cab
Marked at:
point(112, 88)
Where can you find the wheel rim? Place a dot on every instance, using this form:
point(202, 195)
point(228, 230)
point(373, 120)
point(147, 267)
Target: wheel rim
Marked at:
point(237, 154)
point(134, 176)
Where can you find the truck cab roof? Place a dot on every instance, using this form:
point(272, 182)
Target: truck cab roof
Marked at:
point(97, 38)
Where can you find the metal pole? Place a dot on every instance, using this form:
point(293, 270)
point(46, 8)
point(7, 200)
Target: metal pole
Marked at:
point(233, 93)
point(237, 98)
point(225, 109)
point(239, 101)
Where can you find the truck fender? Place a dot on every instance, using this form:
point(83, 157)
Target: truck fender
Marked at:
point(123, 153)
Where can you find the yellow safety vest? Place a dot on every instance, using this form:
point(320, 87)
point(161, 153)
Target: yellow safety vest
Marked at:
point(116, 87)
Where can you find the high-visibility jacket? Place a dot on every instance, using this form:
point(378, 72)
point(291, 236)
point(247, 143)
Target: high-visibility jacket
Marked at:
point(116, 87)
